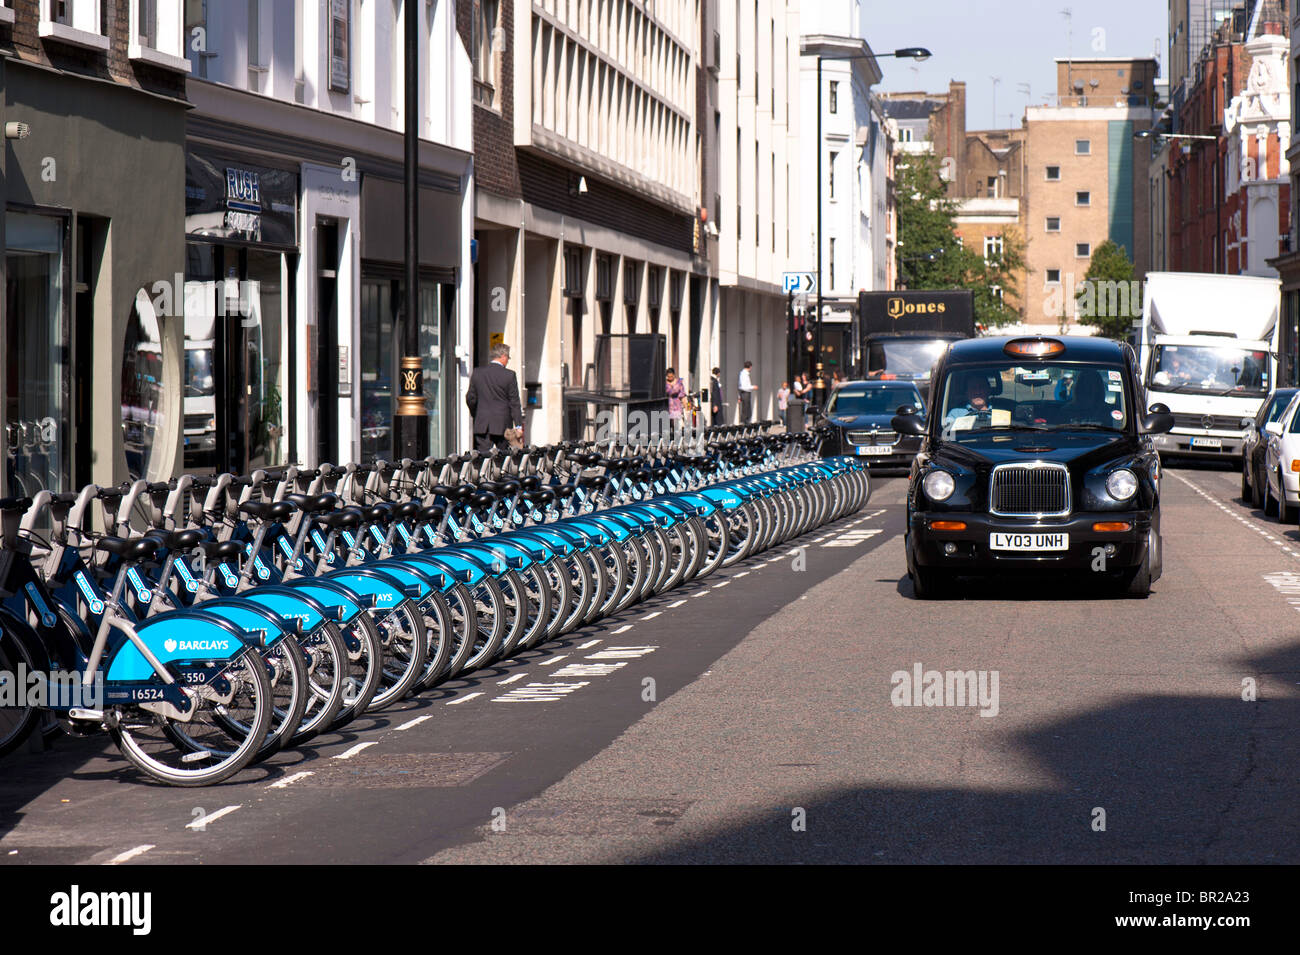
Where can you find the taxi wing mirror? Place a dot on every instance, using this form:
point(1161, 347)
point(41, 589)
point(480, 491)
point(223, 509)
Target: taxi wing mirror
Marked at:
point(908, 424)
point(904, 410)
point(1157, 420)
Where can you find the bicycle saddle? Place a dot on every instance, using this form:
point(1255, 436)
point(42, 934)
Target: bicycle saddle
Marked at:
point(130, 548)
point(311, 503)
point(221, 550)
point(432, 514)
point(406, 509)
point(348, 517)
point(267, 511)
point(177, 540)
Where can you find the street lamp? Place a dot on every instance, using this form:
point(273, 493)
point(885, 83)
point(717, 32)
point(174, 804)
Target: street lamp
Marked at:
point(931, 256)
point(909, 53)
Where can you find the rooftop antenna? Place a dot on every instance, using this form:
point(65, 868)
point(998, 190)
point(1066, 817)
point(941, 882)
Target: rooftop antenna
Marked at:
point(1069, 42)
point(996, 80)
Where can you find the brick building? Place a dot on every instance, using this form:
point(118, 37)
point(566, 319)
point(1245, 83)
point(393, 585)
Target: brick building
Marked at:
point(1085, 177)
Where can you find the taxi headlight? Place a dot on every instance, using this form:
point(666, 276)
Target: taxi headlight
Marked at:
point(1121, 484)
point(938, 485)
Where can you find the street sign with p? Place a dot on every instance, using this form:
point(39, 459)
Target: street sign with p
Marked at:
point(801, 283)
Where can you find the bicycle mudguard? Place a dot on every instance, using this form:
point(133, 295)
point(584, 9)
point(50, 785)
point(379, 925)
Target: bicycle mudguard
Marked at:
point(476, 552)
point(260, 626)
point(461, 568)
point(342, 603)
point(612, 528)
point(495, 552)
point(589, 535)
point(724, 497)
point(551, 536)
point(190, 637)
point(406, 578)
point(702, 506)
point(386, 590)
point(533, 548)
point(640, 514)
point(291, 605)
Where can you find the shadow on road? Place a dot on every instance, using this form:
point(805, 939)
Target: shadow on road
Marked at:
point(1180, 780)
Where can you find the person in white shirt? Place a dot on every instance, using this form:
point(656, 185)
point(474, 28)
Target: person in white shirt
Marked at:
point(746, 389)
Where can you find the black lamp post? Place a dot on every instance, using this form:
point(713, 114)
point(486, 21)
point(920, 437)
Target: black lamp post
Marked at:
point(910, 52)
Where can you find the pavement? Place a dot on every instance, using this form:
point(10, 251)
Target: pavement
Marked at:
point(753, 718)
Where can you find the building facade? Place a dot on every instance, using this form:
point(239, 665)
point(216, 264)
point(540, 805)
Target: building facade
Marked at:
point(1086, 178)
point(93, 193)
point(853, 223)
point(293, 243)
point(592, 259)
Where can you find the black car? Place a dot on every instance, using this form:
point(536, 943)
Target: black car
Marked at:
point(1037, 458)
point(1253, 446)
point(859, 416)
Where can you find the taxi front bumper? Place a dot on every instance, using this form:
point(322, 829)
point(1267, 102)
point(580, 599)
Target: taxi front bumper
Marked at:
point(1029, 546)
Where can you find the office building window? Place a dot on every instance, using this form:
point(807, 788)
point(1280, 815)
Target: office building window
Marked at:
point(835, 97)
point(1053, 276)
point(1083, 250)
point(1053, 173)
point(1083, 198)
point(1053, 224)
point(1083, 147)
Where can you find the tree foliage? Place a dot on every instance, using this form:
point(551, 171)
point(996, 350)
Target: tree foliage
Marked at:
point(930, 256)
point(1107, 298)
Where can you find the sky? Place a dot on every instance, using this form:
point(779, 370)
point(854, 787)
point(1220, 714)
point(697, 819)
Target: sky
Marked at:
point(1017, 40)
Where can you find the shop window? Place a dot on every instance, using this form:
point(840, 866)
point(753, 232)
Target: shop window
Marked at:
point(143, 416)
point(36, 406)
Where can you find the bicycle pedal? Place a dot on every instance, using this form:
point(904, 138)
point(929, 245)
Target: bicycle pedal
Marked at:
point(84, 715)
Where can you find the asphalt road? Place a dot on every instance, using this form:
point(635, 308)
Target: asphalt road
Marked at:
point(1116, 730)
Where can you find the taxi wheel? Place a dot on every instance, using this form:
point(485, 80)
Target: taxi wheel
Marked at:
point(1139, 581)
point(928, 584)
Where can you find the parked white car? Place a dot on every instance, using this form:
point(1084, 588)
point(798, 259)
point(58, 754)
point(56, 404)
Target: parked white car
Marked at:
point(1282, 465)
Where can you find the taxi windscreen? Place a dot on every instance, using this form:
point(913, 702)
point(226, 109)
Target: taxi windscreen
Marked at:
point(1037, 397)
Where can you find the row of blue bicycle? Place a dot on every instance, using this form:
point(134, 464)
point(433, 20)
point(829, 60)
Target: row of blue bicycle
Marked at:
point(211, 620)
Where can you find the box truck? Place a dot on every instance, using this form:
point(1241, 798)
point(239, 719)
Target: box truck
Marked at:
point(904, 333)
point(1207, 349)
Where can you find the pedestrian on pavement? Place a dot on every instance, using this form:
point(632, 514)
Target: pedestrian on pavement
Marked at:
point(837, 379)
point(745, 393)
point(493, 400)
point(715, 397)
point(676, 391)
point(783, 402)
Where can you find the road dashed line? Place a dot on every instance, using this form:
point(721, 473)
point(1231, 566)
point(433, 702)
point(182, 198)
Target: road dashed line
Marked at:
point(289, 780)
point(1245, 522)
point(411, 723)
point(203, 822)
point(463, 699)
point(518, 676)
point(128, 855)
point(352, 751)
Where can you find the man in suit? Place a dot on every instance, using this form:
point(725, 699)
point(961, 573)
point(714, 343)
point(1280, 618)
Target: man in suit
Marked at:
point(493, 399)
point(715, 396)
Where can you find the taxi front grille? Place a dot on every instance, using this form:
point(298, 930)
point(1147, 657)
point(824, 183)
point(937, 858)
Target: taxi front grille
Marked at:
point(872, 437)
point(1029, 490)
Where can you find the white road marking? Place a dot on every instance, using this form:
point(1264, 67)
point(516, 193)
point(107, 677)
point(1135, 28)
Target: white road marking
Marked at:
point(355, 749)
point(555, 659)
point(721, 585)
point(592, 643)
point(873, 514)
point(743, 573)
point(853, 538)
point(121, 857)
point(463, 699)
point(511, 679)
point(415, 722)
point(204, 821)
point(651, 616)
point(289, 780)
point(623, 629)
point(670, 607)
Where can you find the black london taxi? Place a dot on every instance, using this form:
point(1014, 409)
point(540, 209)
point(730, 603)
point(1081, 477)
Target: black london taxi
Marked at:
point(1036, 458)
